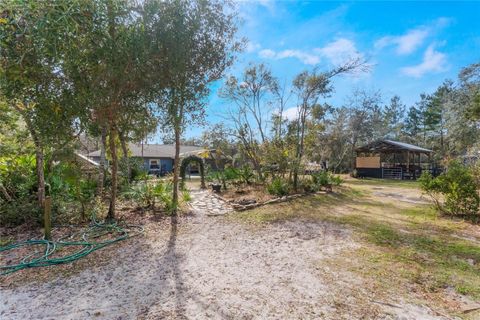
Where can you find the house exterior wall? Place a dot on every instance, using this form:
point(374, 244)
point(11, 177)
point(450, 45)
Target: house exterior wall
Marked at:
point(166, 164)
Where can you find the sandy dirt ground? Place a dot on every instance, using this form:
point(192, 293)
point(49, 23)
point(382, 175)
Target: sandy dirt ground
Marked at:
point(204, 267)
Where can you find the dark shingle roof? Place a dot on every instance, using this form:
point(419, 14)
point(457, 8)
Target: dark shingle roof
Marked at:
point(390, 145)
point(154, 150)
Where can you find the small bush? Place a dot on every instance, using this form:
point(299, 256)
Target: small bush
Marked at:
point(246, 175)
point(147, 194)
point(309, 186)
point(142, 193)
point(186, 196)
point(321, 179)
point(72, 191)
point(278, 187)
point(137, 169)
point(336, 180)
point(325, 178)
point(224, 177)
point(458, 188)
point(22, 210)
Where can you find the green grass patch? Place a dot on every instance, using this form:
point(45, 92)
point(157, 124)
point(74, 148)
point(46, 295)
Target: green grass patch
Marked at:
point(411, 242)
point(385, 182)
point(435, 261)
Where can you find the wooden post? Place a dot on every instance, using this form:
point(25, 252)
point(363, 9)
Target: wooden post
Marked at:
point(420, 163)
point(47, 219)
point(408, 160)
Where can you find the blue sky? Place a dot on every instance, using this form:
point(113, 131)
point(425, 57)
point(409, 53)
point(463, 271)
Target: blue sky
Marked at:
point(413, 46)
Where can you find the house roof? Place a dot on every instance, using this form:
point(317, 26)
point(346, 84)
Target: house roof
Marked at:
point(154, 150)
point(391, 146)
point(86, 159)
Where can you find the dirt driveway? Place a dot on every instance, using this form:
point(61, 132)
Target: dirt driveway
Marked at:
point(203, 267)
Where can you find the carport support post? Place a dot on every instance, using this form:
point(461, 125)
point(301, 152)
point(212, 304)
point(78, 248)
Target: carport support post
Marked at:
point(408, 161)
point(47, 218)
point(420, 162)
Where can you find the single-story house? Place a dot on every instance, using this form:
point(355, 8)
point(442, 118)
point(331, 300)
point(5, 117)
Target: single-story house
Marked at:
point(157, 158)
point(393, 160)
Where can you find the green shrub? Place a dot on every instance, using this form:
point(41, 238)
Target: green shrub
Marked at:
point(137, 169)
point(186, 196)
point(163, 191)
point(278, 187)
point(18, 177)
point(147, 194)
point(325, 178)
point(309, 186)
point(336, 180)
point(20, 211)
point(458, 188)
point(72, 192)
point(321, 178)
point(246, 175)
point(224, 177)
point(66, 183)
point(142, 193)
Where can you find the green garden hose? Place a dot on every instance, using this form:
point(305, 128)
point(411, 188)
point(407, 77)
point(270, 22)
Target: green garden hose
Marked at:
point(85, 242)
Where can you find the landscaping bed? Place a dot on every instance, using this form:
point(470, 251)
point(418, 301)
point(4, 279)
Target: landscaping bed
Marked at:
point(256, 196)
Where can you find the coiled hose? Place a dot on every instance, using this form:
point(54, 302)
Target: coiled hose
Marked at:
point(85, 242)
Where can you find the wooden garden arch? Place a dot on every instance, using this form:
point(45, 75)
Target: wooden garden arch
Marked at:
point(183, 168)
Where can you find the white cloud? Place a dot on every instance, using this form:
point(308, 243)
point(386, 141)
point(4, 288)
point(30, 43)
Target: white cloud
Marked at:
point(406, 43)
point(336, 52)
point(252, 46)
point(290, 114)
point(433, 61)
point(303, 56)
point(412, 39)
point(267, 53)
point(269, 4)
point(339, 51)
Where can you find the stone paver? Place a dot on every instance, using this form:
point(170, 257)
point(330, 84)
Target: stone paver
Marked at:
point(206, 203)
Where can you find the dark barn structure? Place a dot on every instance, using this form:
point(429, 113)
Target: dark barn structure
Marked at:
point(390, 159)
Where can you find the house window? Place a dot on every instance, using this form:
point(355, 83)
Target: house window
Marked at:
point(154, 164)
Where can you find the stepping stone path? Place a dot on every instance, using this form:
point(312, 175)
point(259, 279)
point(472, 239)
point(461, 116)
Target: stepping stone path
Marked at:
point(205, 203)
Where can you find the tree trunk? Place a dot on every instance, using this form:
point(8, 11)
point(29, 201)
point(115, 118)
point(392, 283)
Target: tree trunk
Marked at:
point(125, 155)
point(5, 192)
point(114, 168)
point(103, 159)
point(354, 158)
point(301, 138)
point(176, 165)
point(258, 169)
point(39, 160)
point(442, 142)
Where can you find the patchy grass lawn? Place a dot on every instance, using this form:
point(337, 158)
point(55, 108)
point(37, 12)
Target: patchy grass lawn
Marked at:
point(406, 248)
point(384, 182)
